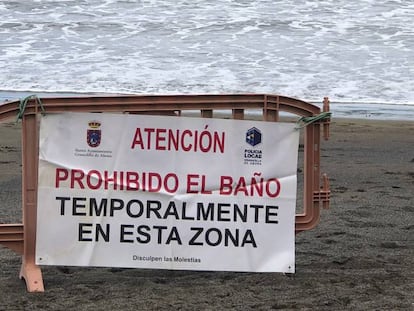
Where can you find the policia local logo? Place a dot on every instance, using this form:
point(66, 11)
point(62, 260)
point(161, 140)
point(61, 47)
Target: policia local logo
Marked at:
point(253, 138)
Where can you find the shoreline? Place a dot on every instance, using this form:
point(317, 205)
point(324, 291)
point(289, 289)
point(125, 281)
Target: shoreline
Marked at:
point(360, 111)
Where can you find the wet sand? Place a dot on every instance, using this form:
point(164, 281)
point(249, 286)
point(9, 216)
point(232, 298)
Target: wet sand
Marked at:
point(360, 256)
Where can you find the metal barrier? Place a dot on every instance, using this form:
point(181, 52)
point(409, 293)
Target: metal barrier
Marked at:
point(21, 238)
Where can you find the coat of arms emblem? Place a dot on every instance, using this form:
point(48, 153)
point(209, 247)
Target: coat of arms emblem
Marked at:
point(93, 136)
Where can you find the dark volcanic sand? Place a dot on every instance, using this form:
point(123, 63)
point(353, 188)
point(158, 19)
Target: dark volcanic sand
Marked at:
point(360, 257)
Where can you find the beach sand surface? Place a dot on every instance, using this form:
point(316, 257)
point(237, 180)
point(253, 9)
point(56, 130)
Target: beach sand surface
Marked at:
point(360, 256)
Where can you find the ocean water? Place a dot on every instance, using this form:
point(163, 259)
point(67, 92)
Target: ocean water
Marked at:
point(358, 53)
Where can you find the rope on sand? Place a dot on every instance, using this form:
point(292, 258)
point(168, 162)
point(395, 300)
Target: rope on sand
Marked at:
point(23, 104)
point(304, 121)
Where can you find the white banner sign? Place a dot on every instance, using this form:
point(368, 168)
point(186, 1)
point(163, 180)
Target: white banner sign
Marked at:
point(122, 190)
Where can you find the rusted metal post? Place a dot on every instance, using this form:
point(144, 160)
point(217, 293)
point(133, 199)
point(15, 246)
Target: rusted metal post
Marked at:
point(326, 122)
point(29, 271)
point(310, 216)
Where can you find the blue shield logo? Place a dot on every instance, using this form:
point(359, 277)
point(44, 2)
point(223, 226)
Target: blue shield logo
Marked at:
point(93, 135)
point(253, 136)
